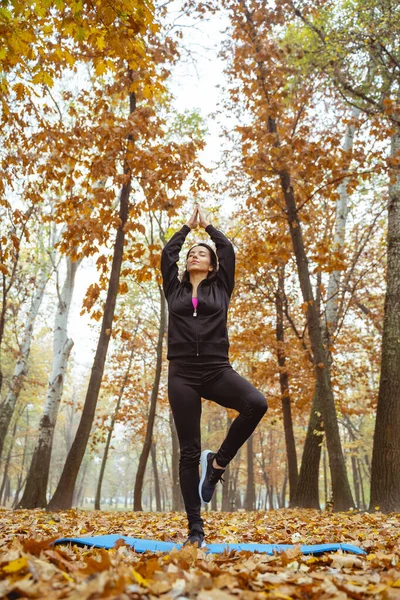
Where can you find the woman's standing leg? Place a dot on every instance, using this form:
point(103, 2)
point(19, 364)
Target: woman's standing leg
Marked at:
point(185, 402)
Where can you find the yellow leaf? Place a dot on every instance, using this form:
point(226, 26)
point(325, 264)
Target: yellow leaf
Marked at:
point(16, 565)
point(139, 579)
point(100, 68)
point(38, 78)
point(48, 80)
point(100, 43)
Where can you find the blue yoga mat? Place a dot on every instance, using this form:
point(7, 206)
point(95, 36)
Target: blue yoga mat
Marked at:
point(108, 541)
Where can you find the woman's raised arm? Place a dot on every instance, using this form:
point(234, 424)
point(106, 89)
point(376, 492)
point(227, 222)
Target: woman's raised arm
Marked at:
point(225, 253)
point(170, 254)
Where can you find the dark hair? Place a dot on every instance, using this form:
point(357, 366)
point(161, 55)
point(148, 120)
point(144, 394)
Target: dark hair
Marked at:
point(213, 258)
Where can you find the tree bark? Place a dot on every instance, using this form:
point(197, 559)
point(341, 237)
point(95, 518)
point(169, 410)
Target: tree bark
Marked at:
point(34, 495)
point(157, 492)
point(79, 493)
point(7, 285)
point(8, 406)
point(7, 463)
point(283, 492)
point(250, 496)
point(137, 497)
point(284, 385)
point(176, 490)
point(225, 502)
point(385, 468)
point(21, 481)
point(307, 491)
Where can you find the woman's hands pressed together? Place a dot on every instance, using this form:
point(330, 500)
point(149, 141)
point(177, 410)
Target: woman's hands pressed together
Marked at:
point(197, 218)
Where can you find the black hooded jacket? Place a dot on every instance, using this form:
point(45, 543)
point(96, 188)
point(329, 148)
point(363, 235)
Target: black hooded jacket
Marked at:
point(204, 335)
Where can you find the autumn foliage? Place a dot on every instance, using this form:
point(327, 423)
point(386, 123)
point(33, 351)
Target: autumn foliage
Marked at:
point(32, 567)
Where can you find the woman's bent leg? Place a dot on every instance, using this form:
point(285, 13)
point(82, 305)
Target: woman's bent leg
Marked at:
point(233, 391)
point(185, 404)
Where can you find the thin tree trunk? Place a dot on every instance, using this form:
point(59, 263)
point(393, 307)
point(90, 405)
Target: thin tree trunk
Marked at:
point(157, 492)
point(326, 489)
point(80, 493)
point(7, 285)
point(385, 468)
point(34, 495)
point(137, 502)
point(364, 504)
point(282, 502)
point(21, 480)
point(284, 385)
point(8, 406)
point(176, 490)
point(356, 482)
point(250, 496)
point(225, 503)
point(112, 424)
point(7, 463)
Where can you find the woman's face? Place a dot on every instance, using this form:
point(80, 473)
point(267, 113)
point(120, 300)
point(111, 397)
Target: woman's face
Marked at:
point(199, 260)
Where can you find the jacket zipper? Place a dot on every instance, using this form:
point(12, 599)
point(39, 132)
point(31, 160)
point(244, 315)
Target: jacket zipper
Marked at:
point(195, 326)
point(197, 339)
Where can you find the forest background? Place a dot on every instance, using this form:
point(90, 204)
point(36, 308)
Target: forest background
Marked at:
point(298, 163)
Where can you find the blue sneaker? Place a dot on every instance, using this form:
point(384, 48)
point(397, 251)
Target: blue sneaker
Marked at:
point(209, 476)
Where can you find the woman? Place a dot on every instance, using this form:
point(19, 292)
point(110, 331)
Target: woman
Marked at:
point(199, 364)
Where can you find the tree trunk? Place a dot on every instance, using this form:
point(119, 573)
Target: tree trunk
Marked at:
point(137, 500)
point(282, 502)
point(62, 499)
point(385, 468)
point(7, 285)
point(21, 480)
point(225, 503)
point(250, 496)
point(156, 477)
point(7, 463)
point(8, 406)
point(176, 490)
point(307, 491)
point(112, 424)
point(78, 495)
point(342, 497)
point(34, 495)
point(360, 479)
point(284, 385)
point(331, 316)
point(307, 494)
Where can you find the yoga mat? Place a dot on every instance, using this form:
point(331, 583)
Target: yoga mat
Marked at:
point(139, 545)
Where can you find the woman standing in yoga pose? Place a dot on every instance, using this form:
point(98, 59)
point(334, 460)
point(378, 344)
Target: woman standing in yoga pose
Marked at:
point(199, 363)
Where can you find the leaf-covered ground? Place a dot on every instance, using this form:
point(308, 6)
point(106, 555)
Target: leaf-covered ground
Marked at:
point(30, 567)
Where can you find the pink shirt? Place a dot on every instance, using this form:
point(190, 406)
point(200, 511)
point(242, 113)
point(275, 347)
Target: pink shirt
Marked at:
point(195, 302)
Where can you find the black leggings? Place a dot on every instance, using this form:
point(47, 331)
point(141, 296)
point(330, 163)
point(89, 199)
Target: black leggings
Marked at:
point(217, 381)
